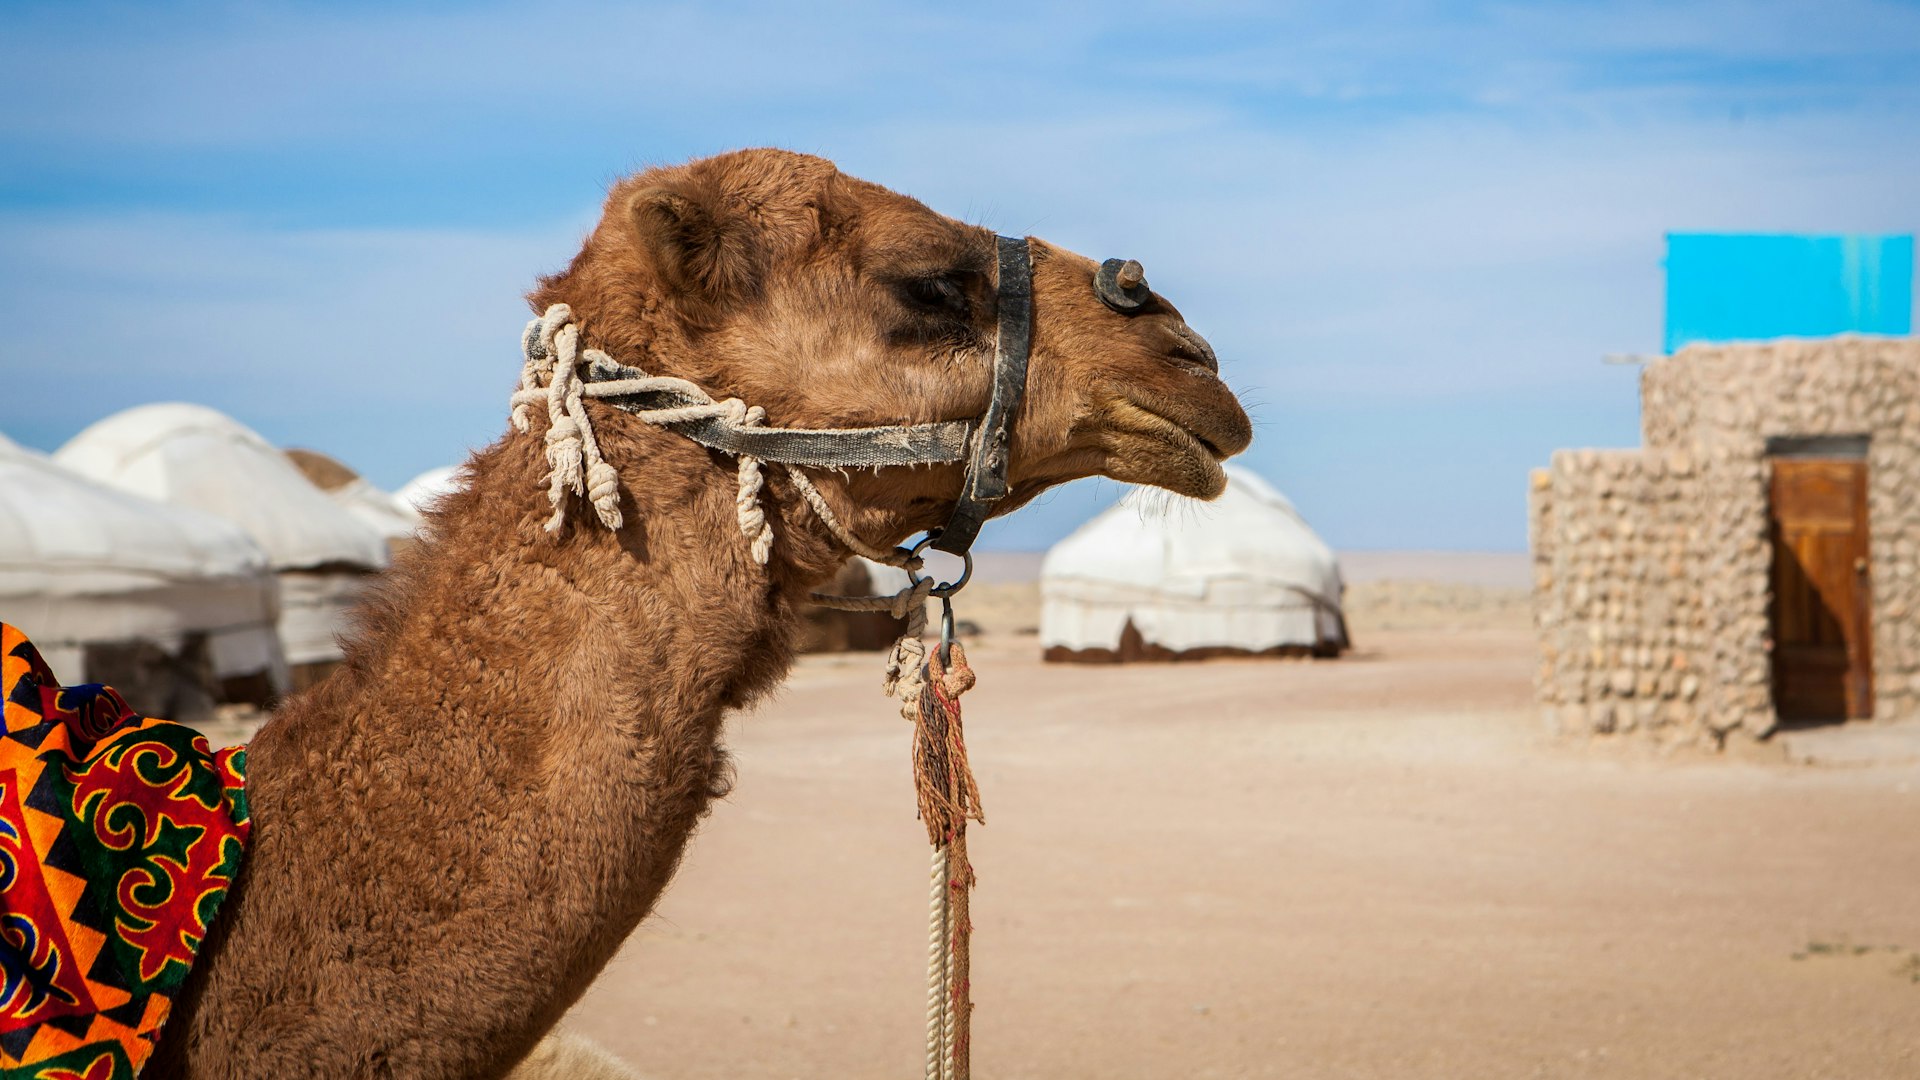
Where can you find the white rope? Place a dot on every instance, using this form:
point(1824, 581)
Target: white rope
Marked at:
point(552, 355)
point(949, 1001)
point(939, 1055)
point(746, 501)
point(895, 557)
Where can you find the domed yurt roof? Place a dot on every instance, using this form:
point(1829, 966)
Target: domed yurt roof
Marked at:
point(383, 510)
point(81, 562)
point(190, 455)
point(421, 491)
point(1160, 576)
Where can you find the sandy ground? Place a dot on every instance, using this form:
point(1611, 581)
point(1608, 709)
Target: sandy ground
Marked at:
point(1489, 569)
point(1372, 867)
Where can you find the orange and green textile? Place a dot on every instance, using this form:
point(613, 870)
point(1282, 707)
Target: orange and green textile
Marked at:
point(119, 838)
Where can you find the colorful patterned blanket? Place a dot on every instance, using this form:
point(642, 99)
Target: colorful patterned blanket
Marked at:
point(119, 838)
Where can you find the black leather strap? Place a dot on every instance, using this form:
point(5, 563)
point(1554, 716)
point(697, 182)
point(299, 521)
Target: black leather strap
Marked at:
point(986, 480)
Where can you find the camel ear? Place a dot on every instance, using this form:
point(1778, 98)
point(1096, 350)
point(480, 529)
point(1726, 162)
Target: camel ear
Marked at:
point(703, 242)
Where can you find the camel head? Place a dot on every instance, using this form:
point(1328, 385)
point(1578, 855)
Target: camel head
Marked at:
point(836, 303)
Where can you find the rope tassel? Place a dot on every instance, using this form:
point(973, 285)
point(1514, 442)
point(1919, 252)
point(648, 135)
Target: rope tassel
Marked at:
point(949, 798)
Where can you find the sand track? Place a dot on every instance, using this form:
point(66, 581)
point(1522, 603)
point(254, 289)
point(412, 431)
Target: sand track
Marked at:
point(1376, 867)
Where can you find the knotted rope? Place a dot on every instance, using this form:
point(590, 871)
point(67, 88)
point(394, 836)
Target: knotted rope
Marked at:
point(948, 798)
point(928, 689)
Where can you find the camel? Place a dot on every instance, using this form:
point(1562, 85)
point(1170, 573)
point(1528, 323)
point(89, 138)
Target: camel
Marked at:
point(454, 832)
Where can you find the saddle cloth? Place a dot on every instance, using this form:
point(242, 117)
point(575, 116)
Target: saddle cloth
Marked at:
point(120, 835)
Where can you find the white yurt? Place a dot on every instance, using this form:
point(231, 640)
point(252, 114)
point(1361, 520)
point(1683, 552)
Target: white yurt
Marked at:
point(92, 575)
point(190, 455)
point(1158, 577)
point(389, 515)
point(421, 492)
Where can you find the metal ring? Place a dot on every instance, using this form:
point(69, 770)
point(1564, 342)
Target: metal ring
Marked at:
point(915, 550)
point(946, 588)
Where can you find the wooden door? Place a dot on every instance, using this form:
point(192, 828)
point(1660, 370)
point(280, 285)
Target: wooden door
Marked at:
point(1822, 616)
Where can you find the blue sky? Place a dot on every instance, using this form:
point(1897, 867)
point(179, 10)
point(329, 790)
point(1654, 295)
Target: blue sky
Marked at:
point(1411, 230)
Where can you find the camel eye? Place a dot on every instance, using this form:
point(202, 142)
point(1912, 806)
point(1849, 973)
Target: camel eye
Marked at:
point(941, 293)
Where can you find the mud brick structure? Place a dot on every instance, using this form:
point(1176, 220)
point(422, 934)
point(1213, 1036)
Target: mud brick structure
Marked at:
point(1756, 562)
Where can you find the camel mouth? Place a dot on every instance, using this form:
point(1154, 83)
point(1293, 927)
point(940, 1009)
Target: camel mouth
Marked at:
point(1199, 413)
point(1213, 422)
point(1149, 447)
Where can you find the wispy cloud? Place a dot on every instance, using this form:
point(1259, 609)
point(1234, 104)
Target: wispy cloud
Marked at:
point(1412, 229)
point(370, 344)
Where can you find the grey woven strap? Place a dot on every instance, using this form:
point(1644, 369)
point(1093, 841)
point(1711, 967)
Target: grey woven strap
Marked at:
point(833, 448)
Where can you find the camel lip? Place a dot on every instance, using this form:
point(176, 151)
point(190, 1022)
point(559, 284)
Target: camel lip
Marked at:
point(1161, 425)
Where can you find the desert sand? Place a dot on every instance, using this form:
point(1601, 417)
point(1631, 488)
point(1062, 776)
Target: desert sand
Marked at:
point(1378, 866)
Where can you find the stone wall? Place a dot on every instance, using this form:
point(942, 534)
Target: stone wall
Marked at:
point(1658, 560)
point(1621, 636)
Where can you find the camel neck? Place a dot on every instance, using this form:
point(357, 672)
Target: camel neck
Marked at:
point(556, 675)
point(507, 770)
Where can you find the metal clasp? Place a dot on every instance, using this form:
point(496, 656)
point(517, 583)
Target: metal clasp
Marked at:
point(946, 630)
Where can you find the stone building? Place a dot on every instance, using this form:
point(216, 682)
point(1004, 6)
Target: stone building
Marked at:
point(1754, 563)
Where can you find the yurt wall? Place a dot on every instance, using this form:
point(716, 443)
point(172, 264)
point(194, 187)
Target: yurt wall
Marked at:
point(1157, 577)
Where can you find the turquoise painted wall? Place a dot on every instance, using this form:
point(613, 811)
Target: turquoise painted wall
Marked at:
point(1754, 287)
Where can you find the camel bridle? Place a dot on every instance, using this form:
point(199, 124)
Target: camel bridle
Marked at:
point(732, 427)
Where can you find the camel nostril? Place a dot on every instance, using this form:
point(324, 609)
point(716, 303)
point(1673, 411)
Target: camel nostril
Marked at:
point(1189, 347)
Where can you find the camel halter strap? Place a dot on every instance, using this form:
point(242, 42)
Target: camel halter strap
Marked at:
point(986, 481)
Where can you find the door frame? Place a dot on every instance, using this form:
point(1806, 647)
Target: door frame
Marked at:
point(1850, 448)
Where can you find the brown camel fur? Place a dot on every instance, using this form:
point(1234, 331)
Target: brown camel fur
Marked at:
point(455, 832)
